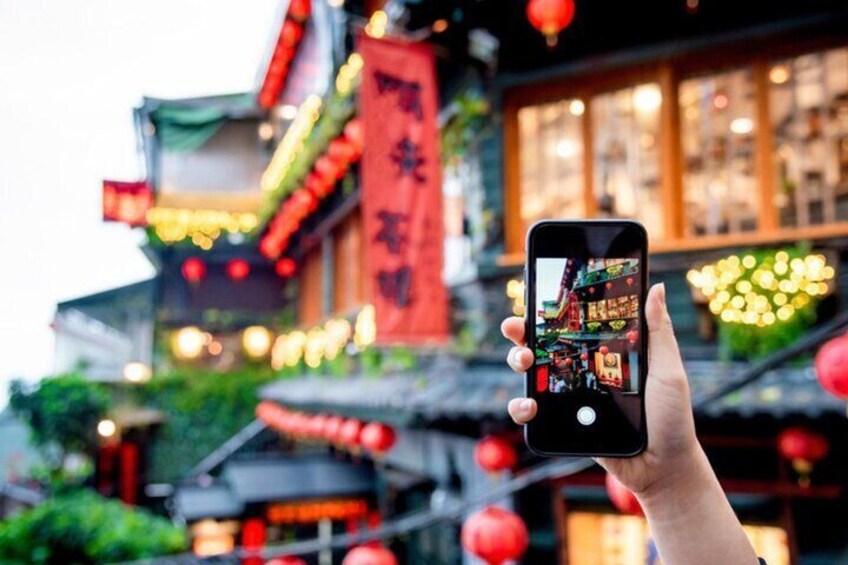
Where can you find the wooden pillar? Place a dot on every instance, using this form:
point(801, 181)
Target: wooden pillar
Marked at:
point(768, 220)
point(671, 155)
point(590, 203)
point(513, 228)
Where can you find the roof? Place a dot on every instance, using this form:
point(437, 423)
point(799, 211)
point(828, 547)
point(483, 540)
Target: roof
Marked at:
point(281, 479)
point(215, 501)
point(453, 391)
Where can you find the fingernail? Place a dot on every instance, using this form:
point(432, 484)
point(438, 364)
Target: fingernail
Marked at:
point(525, 405)
point(662, 293)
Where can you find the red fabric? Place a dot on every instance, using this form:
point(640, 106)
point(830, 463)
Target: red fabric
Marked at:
point(126, 202)
point(402, 191)
point(129, 472)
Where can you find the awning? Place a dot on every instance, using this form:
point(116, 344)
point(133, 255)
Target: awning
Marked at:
point(194, 503)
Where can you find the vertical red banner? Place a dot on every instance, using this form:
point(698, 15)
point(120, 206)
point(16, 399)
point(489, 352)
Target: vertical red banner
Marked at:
point(402, 191)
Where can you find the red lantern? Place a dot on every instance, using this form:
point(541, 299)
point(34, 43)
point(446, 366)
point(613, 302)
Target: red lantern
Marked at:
point(253, 534)
point(342, 152)
point(332, 427)
point(327, 170)
point(291, 33)
point(832, 367)
point(299, 10)
point(568, 361)
point(632, 336)
point(494, 454)
point(584, 356)
point(377, 438)
point(495, 535)
point(316, 426)
point(355, 133)
point(629, 281)
point(591, 290)
point(318, 185)
point(285, 267)
point(801, 443)
point(286, 560)
point(349, 433)
point(603, 350)
point(370, 555)
point(609, 285)
point(550, 17)
point(622, 497)
point(194, 269)
point(238, 269)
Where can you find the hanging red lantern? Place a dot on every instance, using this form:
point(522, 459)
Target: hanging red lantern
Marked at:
point(238, 269)
point(801, 443)
point(378, 438)
point(603, 350)
point(569, 361)
point(342, 152)
point(632, 336)
point(832, 367)
point(327, 170)
point(495, 535)
point(584, 356)
point(285, 267)
point(291, 33)
point(316, 426)
point(591, 290)
point(355, 134)
point(609, 285)
point(629, 281)
point(550, 17)
point(194, 269)
point(370, 555)
point(318, 186)
point(286, 560)
point(332, 427)
point(253, 534)
point(349, 433)
point(299, 10)
point(494, 454)
point(622, 497)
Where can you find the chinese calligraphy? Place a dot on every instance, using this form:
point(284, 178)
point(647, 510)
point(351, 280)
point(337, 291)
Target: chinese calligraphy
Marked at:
point(390, 230)
point(409, 93)
point(407, 156)
point(395, 285)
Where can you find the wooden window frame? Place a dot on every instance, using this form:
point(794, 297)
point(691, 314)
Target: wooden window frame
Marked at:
point(668, 74)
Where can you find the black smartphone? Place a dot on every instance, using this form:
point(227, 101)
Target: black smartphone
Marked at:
point(586, 283)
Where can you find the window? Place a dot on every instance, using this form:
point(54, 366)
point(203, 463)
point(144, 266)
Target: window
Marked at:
point(626, 125)
point(809, 115)
point(551, 161)
point(718, 125)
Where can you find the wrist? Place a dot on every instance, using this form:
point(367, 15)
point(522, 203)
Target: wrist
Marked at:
point(680, 485)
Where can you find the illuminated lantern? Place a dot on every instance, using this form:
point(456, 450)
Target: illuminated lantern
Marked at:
point(188, 342)
point(318, 185)
point(495, 535)
point(569, 361)
point(194, 269)
point(494, 454)
point(591, 290)
point(355, 134)
point(609, 285)
point(370, 555)
point(550, 17)
point(257, 341)
point(622, 497)
point(286, 560)
point(629, 281)
point(299, 10)
point(332, 427)
point(803, 448)
point(327, 170)
point(377, 438)
point(253, 534)
point(832, 367)
point(316, 426)
point(603, 350)
point(341, 151)
point(584, 356)
point(238, 269)
point(632, 336)
point(285, 267)
point(349, 433)
point(291, 33)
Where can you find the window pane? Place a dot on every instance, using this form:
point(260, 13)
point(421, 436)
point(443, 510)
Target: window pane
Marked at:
point(809, 113)
point(551, 161)
point(718, 117)
point(627, 181)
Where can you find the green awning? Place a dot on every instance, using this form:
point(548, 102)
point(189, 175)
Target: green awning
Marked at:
point(182, 126)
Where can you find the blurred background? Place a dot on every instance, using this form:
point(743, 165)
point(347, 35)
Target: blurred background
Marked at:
point(257, 255)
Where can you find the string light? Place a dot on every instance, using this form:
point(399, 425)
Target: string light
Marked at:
point(288, 350)
point(256, 341)
point(292, 142)
point(106, 428)
point(348, 76)
point(365, 327)
point(376, 26)
point(745, 290)
point(515, 290)
point(188, 343)
point(202, 227)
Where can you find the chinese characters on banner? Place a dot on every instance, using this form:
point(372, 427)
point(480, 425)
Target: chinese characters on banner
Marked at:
point(402, 191)
point(126, 202)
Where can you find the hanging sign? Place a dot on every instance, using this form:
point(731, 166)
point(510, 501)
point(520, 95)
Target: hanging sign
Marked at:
point(126, 202)
point(402, 191)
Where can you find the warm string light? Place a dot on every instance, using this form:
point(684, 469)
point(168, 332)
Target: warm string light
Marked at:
point(202, 227)
point(376, 26)
point(515, 290)
point(745, 290)
point(348, 76)
point(313, 347)
point(365, 327)
point(292, 143)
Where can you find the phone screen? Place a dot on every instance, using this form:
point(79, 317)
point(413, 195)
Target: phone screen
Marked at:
point(586, 326)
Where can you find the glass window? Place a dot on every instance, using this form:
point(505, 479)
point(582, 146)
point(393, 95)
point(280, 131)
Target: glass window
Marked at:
point(718, 126)
point(551, 161)
point(626, 126)
point(809, 114)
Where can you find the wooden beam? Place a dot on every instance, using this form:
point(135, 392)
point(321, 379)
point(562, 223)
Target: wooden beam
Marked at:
point(513, 226)
point(671, 154)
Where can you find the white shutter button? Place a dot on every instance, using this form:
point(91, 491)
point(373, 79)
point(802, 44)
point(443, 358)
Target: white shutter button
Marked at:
point(586, 416)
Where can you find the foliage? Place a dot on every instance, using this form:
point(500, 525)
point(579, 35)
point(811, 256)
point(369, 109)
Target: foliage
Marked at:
point(84, 527)
point(467, 117)
point(62, 411)
point(751, 342)
point(203, 409)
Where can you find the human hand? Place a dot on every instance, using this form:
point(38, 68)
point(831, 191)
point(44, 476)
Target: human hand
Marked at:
point(673, 450)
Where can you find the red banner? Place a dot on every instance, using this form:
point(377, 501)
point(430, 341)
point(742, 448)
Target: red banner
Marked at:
point(402, 191)
point(126, 202)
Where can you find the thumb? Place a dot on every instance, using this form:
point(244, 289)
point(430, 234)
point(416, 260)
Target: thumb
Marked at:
point(663, 352)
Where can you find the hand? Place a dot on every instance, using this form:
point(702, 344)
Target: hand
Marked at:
point(673, 450)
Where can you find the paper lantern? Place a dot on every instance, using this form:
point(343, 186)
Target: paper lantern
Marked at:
point(632, 336)
point(342, 152)
point(370, 555)
point(286, 560)
point(332, 427)
point(238, 269)
point(494, 454)
point(253, 534)
point(550, 17)
point(801, 443)
point(316, 426)
point(622, 497)
point(495, 535)
point(349, 433)
point(832, 367)
point(291, 33)
point(603, 350)
point(318, 185)
point(355, 134)
point(299, 10)
point(327, 170)
point(377, 438)
point(194, 269)
point(285, 267)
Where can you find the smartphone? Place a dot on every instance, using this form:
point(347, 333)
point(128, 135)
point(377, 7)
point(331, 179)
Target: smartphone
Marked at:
point(586, 283)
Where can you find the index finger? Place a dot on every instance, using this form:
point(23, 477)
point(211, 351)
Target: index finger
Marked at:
point(513, 329)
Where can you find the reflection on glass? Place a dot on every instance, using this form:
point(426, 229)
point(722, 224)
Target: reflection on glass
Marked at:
point(809, 114)
point(627, 181)
point(717, 132)
point(551, 161)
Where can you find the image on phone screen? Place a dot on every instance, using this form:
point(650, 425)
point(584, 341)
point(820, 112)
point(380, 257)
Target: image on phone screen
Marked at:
point(587, 326)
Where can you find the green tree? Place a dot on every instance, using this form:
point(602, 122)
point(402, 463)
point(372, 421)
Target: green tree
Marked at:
point(83, 527)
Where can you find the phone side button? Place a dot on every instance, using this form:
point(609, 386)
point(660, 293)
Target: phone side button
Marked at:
point(586, 415)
